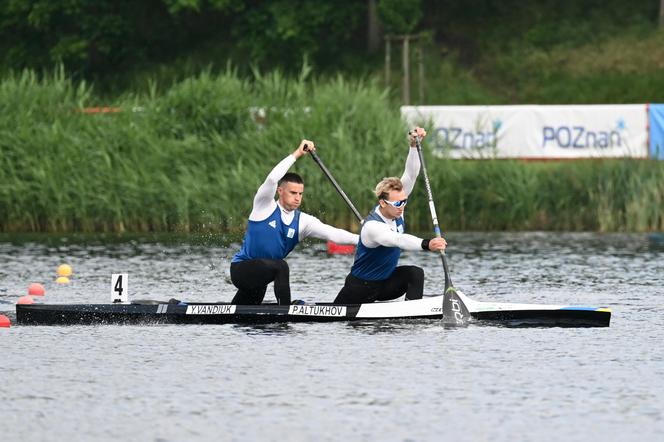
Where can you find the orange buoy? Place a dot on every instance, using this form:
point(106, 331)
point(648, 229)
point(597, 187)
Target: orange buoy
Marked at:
point(27, 299)
point(36, 289)
point(4, 321)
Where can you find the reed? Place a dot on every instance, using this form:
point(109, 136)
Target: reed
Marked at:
point(588, 195)
point(189, 157)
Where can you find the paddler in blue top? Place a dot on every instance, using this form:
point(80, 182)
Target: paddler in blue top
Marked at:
point(375, 275)
point(273, 230)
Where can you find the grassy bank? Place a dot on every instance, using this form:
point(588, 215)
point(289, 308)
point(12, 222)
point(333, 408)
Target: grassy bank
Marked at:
point(189, 157)
point(625, 68)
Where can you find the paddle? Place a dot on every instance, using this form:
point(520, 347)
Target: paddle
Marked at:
point(329, 176)
point(455, 311)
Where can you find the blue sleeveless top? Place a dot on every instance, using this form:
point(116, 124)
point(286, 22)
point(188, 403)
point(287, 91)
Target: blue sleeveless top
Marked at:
point(378, 263)
point(269, 238)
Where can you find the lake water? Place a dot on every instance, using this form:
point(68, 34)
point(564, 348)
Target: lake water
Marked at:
point(388, 381)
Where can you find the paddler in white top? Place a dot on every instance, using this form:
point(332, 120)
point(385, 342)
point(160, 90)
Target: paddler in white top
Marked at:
point(375, 275)
point(273, 230)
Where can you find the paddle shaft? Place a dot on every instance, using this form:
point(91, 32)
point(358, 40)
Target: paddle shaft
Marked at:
point(329, 176)
point(432, 209)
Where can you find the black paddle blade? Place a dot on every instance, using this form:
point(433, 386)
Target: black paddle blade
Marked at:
point(455, 312)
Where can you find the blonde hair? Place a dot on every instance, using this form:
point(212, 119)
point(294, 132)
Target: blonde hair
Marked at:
point(387, 185)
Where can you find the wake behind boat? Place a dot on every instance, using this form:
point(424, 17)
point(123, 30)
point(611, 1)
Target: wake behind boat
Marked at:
point(179, 312)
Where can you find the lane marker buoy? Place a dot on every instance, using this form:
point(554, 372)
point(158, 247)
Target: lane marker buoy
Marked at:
point(4, 322)
point(36, 289)
point(64, 270)
point(27, 299)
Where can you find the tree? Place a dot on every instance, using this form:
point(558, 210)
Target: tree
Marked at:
point(400, 16)
point(96, 38)
point(374, 26)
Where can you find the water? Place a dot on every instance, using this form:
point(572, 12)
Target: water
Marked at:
point(393, 381)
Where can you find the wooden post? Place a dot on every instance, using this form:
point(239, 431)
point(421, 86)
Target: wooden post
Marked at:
point(405, 96)
point(405, 64)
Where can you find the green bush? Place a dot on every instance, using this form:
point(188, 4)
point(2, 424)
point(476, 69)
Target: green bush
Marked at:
point(190, 158)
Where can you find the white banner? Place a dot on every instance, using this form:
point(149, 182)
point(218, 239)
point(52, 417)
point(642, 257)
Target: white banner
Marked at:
point(534, 131)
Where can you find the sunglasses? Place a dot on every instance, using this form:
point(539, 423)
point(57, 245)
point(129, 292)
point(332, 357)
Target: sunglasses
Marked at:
point(397, 203)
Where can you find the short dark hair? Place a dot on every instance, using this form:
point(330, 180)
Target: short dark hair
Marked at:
point(290, 177)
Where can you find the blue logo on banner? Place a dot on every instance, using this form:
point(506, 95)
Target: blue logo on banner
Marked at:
point(459, 138)
point(580, 137)
point(656, 120)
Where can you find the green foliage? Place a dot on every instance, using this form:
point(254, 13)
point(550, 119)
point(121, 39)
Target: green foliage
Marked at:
point(202, 105)
point(586, 195)
point(190, 158)
point(282, 32)
point(177, 6)
point(486, 26)
point(100, 39)
point(91, 37)
point(624, 69)
point(400, 16)
point(481, 51)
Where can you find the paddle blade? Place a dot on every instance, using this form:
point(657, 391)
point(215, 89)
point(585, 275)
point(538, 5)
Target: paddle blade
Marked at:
point(455, 312)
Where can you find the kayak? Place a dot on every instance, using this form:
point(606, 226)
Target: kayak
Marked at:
point(429, 307)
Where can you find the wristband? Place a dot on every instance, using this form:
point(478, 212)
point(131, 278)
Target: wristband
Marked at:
point(425, 244)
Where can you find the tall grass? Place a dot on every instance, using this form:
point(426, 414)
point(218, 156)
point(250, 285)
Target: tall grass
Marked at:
point(596, 195)
point(189, 157)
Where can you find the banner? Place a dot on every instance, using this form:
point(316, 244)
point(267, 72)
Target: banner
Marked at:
point(656, 118)
point(534, 131)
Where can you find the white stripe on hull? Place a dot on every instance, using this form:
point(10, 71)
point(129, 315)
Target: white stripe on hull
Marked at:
point(420, 307)
point(479, 306)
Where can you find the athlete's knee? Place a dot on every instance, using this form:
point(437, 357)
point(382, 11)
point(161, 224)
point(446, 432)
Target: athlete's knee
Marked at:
point(341, 296)
point(249, 297)
point(416, 273)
